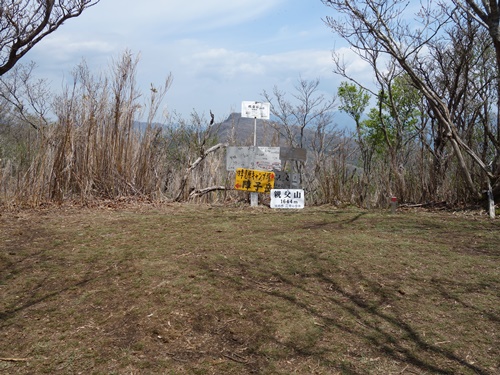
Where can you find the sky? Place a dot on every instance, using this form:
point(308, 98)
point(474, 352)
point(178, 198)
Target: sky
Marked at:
point(219, 52)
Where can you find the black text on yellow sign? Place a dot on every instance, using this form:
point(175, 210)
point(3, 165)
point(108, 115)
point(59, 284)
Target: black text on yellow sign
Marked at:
point(253, 180)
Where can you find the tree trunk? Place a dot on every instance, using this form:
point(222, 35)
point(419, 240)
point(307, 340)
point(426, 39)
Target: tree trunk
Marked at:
point(193, 166)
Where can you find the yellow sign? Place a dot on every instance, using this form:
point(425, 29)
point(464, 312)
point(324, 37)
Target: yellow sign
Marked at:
point(253, 180)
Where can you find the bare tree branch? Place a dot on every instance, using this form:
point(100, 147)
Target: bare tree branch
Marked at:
point(24, 23)
point(376, 26)
point(193, 165)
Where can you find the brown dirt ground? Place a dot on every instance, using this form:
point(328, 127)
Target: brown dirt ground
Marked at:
point(198, 289)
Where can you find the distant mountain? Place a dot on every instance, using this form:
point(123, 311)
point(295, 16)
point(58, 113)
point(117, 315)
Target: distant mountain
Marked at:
point(239, 130)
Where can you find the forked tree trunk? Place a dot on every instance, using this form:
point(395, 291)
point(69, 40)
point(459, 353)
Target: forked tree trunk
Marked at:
point(193, 165)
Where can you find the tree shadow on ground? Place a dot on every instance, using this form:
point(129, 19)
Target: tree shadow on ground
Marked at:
point(392, 335)
point(358, 314)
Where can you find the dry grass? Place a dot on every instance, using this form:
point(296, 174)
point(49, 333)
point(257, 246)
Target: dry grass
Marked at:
point(191, 289)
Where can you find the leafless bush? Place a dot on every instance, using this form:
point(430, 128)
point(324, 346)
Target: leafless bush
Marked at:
point(95, 148)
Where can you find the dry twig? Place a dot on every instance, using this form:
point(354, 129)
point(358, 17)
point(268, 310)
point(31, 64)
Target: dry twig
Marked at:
point(14, 359)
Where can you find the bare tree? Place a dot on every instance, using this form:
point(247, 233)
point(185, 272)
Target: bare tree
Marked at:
point(28, 97)
point(202, 139)
point(24, 23)
point(487, 14)
point(376, 27)
point(312, 109)
point(306, 121)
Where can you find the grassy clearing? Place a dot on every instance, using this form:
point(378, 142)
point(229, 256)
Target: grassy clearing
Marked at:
point(186, 289)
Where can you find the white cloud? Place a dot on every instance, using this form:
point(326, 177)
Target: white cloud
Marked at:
point(355, 66)
point(174, 16)
point(220, 78)
point(61, 47)
point(309, 63)
point(224, 63)
point(219, 52)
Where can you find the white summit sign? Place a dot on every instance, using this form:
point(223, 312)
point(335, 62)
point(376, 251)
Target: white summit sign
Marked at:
point(257, 110)
point(287, 198)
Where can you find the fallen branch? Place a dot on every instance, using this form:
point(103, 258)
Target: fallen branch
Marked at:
point(236, 358)
point(14, 359)
point(427, 204)
point(194, 165)
point(201, 192)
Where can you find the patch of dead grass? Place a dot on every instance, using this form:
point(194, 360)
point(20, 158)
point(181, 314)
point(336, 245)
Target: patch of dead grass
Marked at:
point(216, 290)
